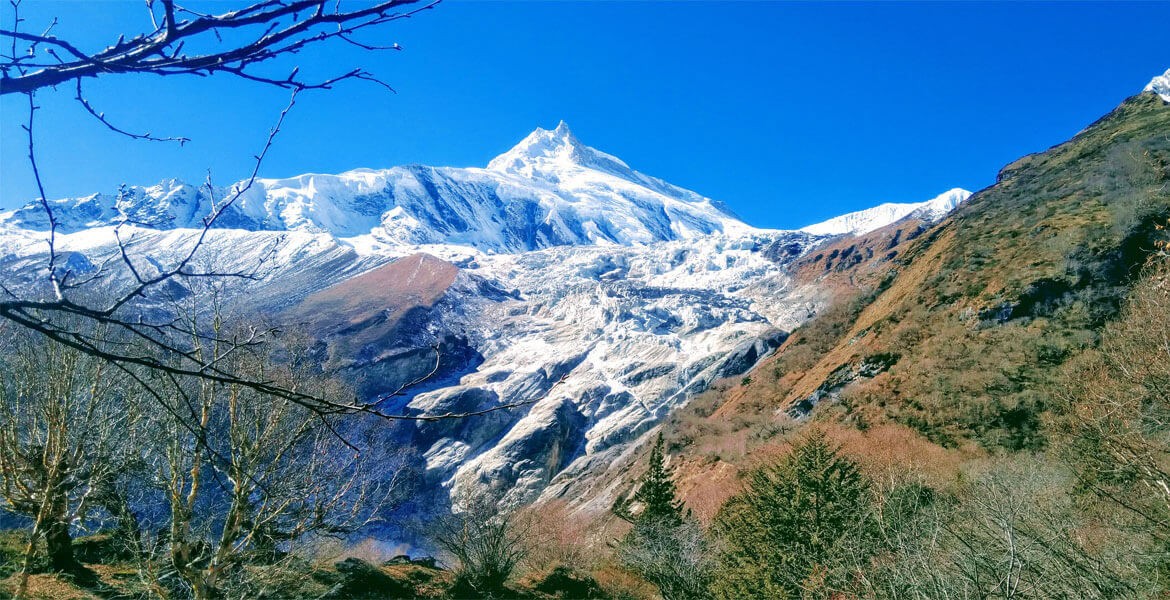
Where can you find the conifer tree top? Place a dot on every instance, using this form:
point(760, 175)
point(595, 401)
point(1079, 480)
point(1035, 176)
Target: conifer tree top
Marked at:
point(657, 492)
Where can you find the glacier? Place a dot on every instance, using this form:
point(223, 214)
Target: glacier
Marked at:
point(557, 275)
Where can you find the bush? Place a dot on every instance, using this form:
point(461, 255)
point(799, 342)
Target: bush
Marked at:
point(360, 579)
point(564, 582)
point(487, 542)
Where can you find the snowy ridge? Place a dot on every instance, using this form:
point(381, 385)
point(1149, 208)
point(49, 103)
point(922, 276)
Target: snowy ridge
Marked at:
point(870, 219)
point(1160, 85)
point(550, 190)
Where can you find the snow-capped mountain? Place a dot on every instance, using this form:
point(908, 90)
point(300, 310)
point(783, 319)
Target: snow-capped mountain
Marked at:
point(550, 190)
point(1160, 85)
point(557, 274)
point(871, 219)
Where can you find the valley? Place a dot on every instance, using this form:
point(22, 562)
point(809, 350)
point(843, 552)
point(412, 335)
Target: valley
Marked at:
point(554, 376)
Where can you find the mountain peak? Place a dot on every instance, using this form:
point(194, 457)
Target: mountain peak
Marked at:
point(549, 190)
point(551, 153)
point(540, 148)
point(1160, 85)
point(558, 158)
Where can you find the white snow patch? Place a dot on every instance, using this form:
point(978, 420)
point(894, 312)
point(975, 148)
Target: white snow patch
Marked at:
point(1160, 85)
point(868, 220)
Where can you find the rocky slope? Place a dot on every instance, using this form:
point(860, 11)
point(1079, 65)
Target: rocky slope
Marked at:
point(985, 308)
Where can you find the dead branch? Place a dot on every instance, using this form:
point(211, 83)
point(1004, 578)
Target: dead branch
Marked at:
point(137, 136)
point(285, 27)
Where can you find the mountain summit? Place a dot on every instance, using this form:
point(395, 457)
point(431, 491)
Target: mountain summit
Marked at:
point(557, 157)
point(545, 152)
point(549, 190)
point(1160, 85)
point(543, 147)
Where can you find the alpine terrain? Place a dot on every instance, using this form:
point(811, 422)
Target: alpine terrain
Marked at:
point(600, 298)
point(551, 376)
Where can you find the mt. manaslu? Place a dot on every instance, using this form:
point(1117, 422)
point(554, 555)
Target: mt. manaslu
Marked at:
point(549, 190)
point(557, 275)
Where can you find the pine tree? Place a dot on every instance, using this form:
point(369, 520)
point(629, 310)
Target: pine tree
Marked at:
point(792, 526)
point(666, 546)
point(657, 492)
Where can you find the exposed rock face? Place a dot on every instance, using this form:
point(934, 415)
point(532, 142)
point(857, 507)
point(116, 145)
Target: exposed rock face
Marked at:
point(371, 324)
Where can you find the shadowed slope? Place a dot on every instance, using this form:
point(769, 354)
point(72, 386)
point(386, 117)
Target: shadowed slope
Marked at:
point(371, 317)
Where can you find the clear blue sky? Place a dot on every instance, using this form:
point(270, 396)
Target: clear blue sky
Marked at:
point(789, 112)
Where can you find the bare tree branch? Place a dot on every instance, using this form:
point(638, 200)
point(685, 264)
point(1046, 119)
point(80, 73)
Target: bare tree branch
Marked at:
point(161, 51)
point(137, 136)
point(287, 27)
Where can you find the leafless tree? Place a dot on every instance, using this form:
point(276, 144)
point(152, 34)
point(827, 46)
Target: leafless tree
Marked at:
point(1011, 531)
point(1019, 540)
point(245, 479)
point(676, 557)
point(908, 535)
point(557, 535)
point(1118, 403)
point(247, 451)
point(62, 425)
point(237, 43)
point(184, 42)
point(487, 543)
point(242, 480)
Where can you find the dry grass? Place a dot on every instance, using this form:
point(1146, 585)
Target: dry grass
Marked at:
point(46, 586)
point(706, 486)
point(373, 551)
point(559, 535)
point(621, 584)
point(426, 582)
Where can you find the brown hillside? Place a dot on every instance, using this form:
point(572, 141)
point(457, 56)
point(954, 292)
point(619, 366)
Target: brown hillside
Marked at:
point(364, 315)
point(955, 341)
